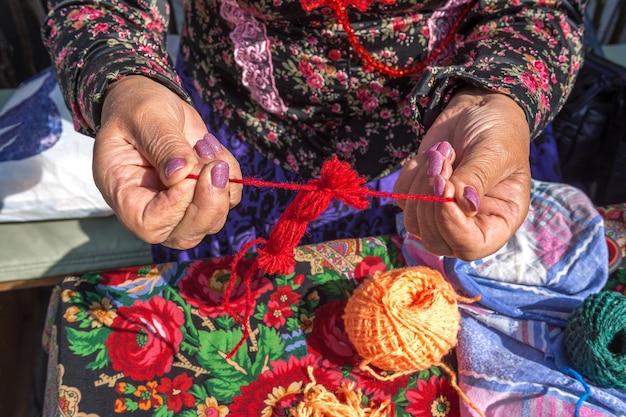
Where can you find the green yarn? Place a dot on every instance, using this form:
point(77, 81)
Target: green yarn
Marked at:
point(595, 339)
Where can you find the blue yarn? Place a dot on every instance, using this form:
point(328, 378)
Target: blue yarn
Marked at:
point(579, 378)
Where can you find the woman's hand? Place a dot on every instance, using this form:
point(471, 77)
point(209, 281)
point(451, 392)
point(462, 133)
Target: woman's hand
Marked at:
point(149, 142)
point(477, 151)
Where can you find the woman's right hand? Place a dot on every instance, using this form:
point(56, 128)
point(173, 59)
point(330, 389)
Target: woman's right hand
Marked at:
point(149, 142)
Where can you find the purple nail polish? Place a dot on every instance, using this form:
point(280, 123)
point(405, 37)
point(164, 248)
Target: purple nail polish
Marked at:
point(445, 149)
point(204, 150)
point(174, 165)
point(213, 143)
point(439, 185)
point(471, 195)
point(435, 163)
point(219, 175)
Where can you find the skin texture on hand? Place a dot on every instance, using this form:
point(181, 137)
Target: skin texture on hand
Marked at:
point(144, 152)
point(477, 151)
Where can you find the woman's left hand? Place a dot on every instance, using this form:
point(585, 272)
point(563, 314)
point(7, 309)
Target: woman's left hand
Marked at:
point(477, 152)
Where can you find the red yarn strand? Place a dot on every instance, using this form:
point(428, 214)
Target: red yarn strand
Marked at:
point(341, 15)
point(366, 192)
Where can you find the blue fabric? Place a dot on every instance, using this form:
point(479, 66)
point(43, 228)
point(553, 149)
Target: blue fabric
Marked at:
point(544, 157)
point(510, 351)
point(34, 125)
point(553, 262)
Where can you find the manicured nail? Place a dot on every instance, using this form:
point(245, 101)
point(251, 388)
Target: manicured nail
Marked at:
point(471, 195)
point(439, 185)
point(444, 148)
point(219, 175)
point(174, 165)
point(435, 163)
point(213, 143)
point(204, 150)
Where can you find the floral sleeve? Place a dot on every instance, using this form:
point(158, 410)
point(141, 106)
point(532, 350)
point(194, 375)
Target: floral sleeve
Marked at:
point(92, 43)
point(528, 50)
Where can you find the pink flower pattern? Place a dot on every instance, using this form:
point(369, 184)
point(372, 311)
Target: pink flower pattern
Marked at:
point(289, 60)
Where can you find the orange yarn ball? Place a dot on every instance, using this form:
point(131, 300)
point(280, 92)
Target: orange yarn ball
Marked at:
point(404, 320)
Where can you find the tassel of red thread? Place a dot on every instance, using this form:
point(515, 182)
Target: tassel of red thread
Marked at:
point(275, 255)
point(337, 181)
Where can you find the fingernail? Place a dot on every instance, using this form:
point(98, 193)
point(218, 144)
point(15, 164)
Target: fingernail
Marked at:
point(174, 165)
point(219, 175)
point(213, 143)
point(471, 195)
point(439, 185)
point(445, 149)
point(204, 150)
point(435, 163)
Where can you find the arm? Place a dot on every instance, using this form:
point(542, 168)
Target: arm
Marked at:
point(121, 88)
point(94, 43)
point(526, 50)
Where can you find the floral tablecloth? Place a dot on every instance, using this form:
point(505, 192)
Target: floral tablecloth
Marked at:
point(154, 340)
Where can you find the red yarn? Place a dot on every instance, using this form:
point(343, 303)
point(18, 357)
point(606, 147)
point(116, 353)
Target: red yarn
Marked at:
point(275, 255)
point(340, 9)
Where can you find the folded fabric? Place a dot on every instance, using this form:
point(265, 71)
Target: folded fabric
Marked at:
point(510, 354)
point(45, 165)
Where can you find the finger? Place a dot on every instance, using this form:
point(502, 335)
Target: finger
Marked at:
point(405, 180)
point(437, 162)
point(437, 154)
point(479, 177)
point(171, 155)
point(430, 219)
point(424, 218)
point(420, 184)
point(475, 236)
point(150, 213)
point(207, 211)
point(431, 224)
point(209, 148)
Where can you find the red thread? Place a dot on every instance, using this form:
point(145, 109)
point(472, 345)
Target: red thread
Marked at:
point(365, 191)
point(338, 181)
point(340, 9)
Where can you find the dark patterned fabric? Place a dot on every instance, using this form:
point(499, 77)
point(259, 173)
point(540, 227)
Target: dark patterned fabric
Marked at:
point(289, 83)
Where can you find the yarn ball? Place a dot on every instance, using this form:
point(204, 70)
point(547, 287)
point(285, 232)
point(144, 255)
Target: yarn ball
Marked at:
point(403, 320)
point(595, 339)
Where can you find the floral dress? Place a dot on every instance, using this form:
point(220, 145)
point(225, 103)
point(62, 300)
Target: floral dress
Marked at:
point(289, 81)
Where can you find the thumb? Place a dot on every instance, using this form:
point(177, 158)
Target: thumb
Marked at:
point(158, 129)
point(172, 156)
point(476, 175)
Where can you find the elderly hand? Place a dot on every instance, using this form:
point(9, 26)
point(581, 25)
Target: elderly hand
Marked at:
point(149, 142)
point(477, 151)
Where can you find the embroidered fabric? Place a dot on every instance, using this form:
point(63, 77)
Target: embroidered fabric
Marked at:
point(252, 54)
point(441, 22)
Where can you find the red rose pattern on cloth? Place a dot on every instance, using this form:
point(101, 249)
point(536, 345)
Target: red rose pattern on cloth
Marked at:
point(154, 340)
